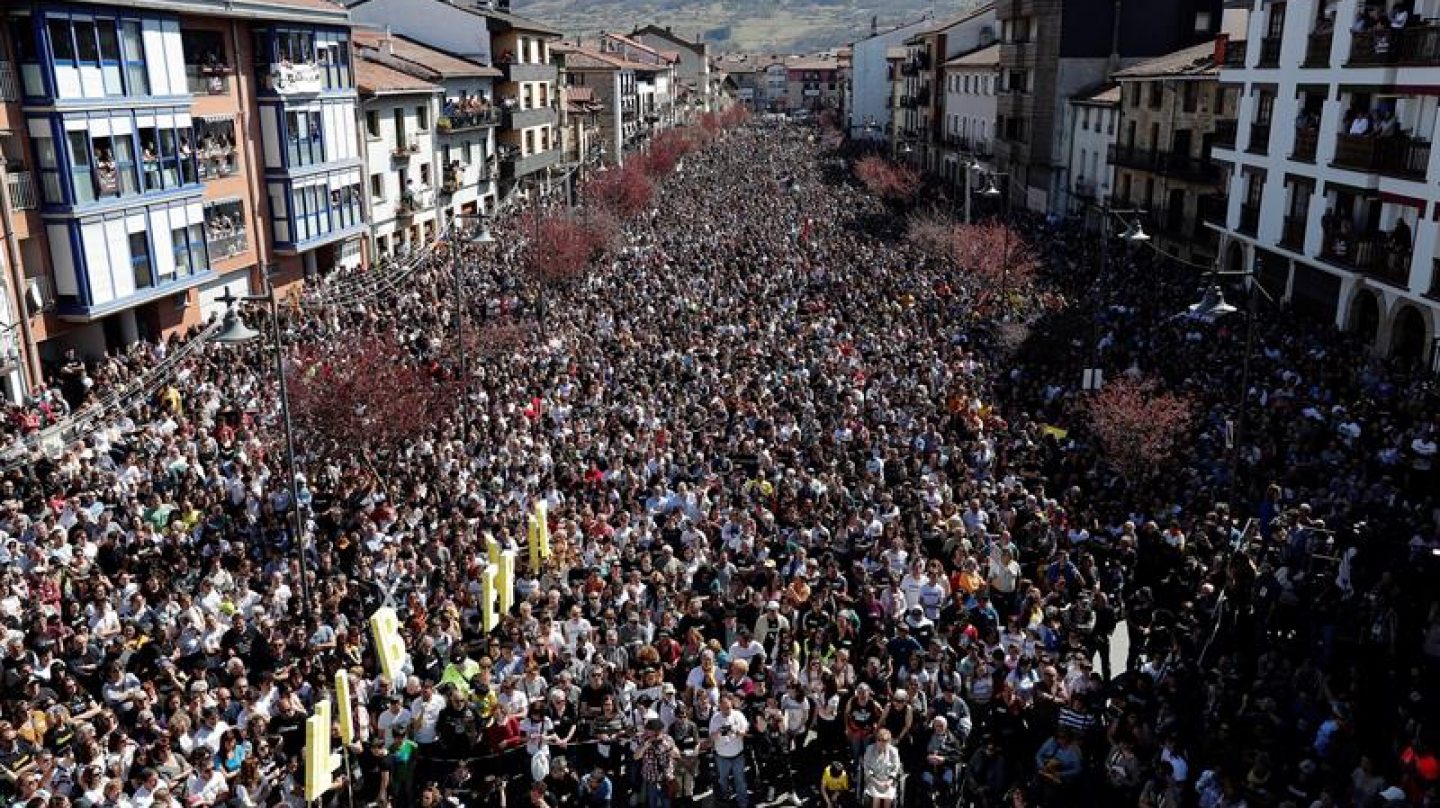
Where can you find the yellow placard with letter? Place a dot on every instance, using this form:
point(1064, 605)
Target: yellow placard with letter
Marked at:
point(389, 647)
point(320, 762)
point(345, 717)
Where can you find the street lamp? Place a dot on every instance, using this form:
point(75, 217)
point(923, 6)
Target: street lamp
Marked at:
point(1093, 377)
point(234, 331)
point(1135, 233)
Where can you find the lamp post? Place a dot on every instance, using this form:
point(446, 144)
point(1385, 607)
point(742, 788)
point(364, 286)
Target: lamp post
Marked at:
point(234, 332)
point(1093, 377)
point(1212, 306)
point(481, 237)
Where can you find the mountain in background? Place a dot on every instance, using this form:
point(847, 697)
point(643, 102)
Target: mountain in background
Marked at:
point(752, 26)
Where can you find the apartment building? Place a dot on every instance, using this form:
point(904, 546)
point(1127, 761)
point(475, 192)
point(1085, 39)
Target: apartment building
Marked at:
point(400, 112)
point(1053, 49)
point(160, 151)
point(456, 159)
point(812, 83)
point(655, 83)
point(874, 90)
point(922, 115)
point(1332, 193)
point(609, 82)
point(692, 65)
point(1161, 158)
point(1092, 121)
point(970, 82)
point(486, 32)
point(581, 141)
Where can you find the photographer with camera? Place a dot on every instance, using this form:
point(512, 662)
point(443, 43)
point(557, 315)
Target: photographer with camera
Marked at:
point(727, 735)
point(657, 754)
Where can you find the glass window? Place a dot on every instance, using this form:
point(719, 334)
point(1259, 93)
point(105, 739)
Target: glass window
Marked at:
point(199, 253)
point(180, 246)
point(107, 174)
point(372, 123)
point(60, 42)
point(132, 50)
point(140, 260)
point(50, 186)
point(110, 57)
point(422, 118)
point(125, 164)
point(82, 177)
point(22, 39)
point(377, 186)
point(87, 49)
point(169, 158)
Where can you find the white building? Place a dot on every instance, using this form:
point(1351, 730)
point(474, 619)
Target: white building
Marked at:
point(692, 67)
point(1091, 122)
point(970, 83)
point(464, 131)
point(871, 83)
point(400, 112)
point(1337, 221)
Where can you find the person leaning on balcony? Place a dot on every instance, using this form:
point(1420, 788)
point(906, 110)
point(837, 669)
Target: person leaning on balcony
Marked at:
point(1360, 124)
point(1399, 16)
point(1399, 245)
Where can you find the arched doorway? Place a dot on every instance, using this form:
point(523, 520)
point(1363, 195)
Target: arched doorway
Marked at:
point(1365, 315)
point(1235, 261)
point(1407, 337)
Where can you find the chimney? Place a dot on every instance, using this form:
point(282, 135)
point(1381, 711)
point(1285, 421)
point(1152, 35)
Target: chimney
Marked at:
point(1222, 43)
point(387, 45)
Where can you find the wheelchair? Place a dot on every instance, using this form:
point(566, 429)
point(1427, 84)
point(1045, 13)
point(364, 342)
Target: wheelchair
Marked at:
point(864, 802)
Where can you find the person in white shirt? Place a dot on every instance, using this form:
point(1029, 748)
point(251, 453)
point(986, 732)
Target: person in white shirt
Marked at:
point(727, 735)
point(425, 710)
point(394, 716)
point(206, 785)
point(210, 731)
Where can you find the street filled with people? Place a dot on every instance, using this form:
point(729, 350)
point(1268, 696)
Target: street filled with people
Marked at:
point(822, 530)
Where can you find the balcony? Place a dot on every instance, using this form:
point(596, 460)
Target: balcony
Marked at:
point(1306, 141)
point(404, 151)
point(1370, 255)
point(1235, 54)
point(1398, 156)
point(9, 83)
point(23, 194)
point(1317, 49)
point(516, 118)
point(1249, 219)
point(1293, 233)
point(1169, 164)
point(1259, 138)
point(1269, 52)
point(457, 121)
point(296, 79)
point(217, 162)
point(513, 166)
point(413, 203)
point(207, 79)
point(226, 245)
point(1417, 45)
point(517, 71)
point(1225, 130)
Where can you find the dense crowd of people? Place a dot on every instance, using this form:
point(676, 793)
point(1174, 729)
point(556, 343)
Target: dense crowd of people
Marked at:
point(812, 538)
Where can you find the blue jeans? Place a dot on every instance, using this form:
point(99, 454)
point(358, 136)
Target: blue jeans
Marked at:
point(656, 796)
point(731, 775)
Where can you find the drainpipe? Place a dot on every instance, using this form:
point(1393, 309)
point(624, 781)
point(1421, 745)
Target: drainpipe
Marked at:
point(259, 195)
point(29, 364)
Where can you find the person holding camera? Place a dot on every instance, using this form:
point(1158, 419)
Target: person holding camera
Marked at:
point(727, 735)
point(657, 754)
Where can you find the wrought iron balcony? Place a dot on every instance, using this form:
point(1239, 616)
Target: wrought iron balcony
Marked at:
point(1415, 45)
point(1399, 156)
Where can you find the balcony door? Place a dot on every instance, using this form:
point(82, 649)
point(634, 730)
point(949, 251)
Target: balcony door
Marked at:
point(1180, 143)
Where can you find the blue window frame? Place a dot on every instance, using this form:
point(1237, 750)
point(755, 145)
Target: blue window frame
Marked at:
point(305, 143)
point(140, 262)
point(132, 54)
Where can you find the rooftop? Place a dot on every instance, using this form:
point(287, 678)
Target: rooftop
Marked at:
point(1195, 61)
point(1106, 95)
point(954, 20)
point(988, 56)
point(374, 78)
point(431, 61)
point(579, 57)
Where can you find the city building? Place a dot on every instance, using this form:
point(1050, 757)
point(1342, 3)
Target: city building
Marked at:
point(400, 135)
point(160, 152)
point(1161, 157)
point(581, 140)
point(655, 84)
point(1091, 121)
point(1334, 186)
point(1053, 49)
point(970, 82)
point(692, 68)
point(874, 90)
point(743, 72)
point(609, 81)
point(487, 33)
point(775, 78)
point(464, 158)
point(812, 83)
point(923, 122)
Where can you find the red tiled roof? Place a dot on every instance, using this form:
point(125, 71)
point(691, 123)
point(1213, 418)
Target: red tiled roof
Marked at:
point(432, 60)
point(371, 77)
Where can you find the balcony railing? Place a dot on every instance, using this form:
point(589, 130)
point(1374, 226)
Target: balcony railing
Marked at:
point(303, 78)
point(1259, 138)
point(1293, 234)
point(404, 150)
point(1417, 45)
point(1305, 142)
point(1400, 156)
point(1169, 164)
point(473, 119)
point(1225, 130)
point(1249, 219)
point(207, 79)
point(1269, 52)
point(217, 163)
point(23, 195)
point(1235, 53)
point(1374, 255)
point(1317, 49)
point(9, 83)
point(227, 246)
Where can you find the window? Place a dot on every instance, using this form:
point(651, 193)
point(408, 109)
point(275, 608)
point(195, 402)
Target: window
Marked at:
point(1135, 94)
point(400, 139)
point(50, 185)
point(377, 187)
point(372, 124)
point(306, 147)
point(1085, 119)
point(61, 43)
point(1190, 96)
point(81, 168)
point(1157, 94)
point(87, 48)
point(422, 118)
point(110, 70)
point(140, 260)
point(224, 229)
point(180, 246)
point(137, 79)
point(424, 173)
point(215, 148)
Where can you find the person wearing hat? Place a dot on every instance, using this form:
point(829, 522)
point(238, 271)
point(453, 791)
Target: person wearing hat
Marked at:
point(769, 625)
